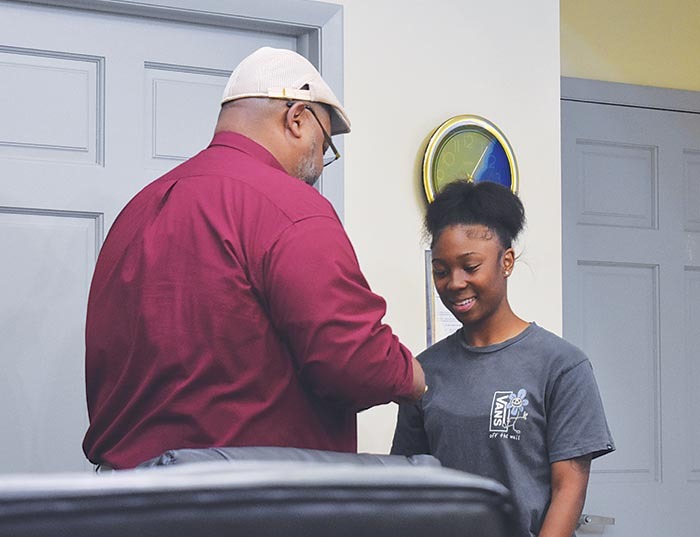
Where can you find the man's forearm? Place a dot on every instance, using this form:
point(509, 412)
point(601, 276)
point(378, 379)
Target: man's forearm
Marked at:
point(418, 388)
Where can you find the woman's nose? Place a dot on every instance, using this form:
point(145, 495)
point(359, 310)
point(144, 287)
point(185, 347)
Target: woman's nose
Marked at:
point(457, 280)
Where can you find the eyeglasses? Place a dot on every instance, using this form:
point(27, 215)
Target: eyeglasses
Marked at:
point(334, 154)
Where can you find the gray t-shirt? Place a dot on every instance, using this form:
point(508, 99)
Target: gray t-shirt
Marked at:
point(507, 411)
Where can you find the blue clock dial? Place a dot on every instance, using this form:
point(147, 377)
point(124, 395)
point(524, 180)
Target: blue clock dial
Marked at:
point(495, 166)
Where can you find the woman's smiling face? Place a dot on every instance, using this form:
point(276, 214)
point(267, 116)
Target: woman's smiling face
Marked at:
point(470, 270)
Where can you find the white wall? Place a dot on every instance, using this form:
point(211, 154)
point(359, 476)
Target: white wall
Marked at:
point(408, 67)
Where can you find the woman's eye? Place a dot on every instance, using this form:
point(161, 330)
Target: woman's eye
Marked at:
point(439, 273)
point(471, 268)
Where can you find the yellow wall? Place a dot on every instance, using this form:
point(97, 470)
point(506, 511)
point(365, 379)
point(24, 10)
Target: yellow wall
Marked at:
point(408, 67)
point(645, 42)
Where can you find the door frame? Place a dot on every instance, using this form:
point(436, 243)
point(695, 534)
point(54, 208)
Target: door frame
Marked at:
point(317, 26)
point(615, 93)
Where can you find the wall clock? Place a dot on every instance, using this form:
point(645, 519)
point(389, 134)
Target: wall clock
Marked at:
point(468, 147)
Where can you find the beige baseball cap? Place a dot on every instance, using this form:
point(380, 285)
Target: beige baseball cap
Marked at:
point(283, 74)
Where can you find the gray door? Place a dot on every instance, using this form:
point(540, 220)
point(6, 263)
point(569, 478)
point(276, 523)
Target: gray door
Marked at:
point(631, 268)
point(94, 106)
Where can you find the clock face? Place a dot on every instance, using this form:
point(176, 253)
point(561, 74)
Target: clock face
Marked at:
point(470, 148)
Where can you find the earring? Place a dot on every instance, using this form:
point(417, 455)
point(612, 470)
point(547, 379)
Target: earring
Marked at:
point(506, 273)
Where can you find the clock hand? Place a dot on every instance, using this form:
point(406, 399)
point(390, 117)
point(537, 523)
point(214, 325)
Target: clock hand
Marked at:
point(471, 176)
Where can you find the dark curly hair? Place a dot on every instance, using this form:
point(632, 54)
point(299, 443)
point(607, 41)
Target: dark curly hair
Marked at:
point(486, 203)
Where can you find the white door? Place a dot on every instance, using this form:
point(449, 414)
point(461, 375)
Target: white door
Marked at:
point(93, 106)
point(631, 213)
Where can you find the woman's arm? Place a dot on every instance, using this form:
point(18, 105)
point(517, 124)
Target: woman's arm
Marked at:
point(569, 483)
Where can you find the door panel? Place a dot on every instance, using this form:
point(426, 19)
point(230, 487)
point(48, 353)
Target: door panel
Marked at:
point(692, 366)
point(631, 257)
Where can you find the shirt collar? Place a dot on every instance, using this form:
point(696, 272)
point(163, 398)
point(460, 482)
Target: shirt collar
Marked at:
point(244, 144)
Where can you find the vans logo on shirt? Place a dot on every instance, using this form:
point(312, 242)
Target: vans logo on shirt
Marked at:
point(506, 409)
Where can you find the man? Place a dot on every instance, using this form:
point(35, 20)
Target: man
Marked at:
point(227, 306)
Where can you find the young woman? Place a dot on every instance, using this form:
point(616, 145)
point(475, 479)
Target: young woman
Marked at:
point(508, 399)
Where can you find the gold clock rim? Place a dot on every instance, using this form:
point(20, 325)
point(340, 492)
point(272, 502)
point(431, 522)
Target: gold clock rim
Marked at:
point(444, 130)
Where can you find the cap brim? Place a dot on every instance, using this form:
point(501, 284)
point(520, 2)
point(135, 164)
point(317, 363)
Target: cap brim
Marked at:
point(339, 123)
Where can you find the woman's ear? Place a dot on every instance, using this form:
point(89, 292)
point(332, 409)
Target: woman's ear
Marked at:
point(294, 118)
point(508, 262)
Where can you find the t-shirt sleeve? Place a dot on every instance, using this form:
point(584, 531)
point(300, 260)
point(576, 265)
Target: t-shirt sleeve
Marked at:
point(321, 304)
point(410, 437)
point(576, 418)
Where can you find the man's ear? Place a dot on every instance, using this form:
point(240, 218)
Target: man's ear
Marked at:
point(294, 118)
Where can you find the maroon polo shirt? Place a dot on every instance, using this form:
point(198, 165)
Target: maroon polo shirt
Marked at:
point(227, 308)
